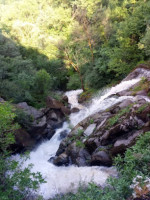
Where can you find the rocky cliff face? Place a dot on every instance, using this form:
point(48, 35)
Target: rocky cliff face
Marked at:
point(100, 137)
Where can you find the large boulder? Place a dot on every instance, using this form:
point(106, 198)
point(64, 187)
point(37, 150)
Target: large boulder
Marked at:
point(61, 160)
point(101, 158)
point(38, 126)
point(23, 141)
point(54, 104)
point(140, 71)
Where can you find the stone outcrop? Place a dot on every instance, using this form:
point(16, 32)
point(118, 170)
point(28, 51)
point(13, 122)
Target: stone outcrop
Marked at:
point(43, 123)
point(100, 137)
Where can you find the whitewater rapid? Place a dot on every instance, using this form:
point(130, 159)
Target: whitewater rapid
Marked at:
point(67, 179)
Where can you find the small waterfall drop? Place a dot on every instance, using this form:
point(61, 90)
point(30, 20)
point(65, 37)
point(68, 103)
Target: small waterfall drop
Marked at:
point(67, 179)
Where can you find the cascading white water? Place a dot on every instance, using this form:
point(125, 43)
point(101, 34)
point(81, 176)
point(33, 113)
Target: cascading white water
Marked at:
point(73, 98)
point(67, 179)
point(102, 102)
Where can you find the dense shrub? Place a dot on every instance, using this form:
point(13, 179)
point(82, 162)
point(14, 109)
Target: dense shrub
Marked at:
point(74, 82)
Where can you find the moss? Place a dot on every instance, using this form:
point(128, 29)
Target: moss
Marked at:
point(80, 144)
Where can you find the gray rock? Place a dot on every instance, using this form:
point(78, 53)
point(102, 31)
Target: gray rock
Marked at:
point(30, 110)
point(61, 160)
point(83, 158)
point(122, 144)
point(101, 124)
point(125, 103)
point(74, 110)
point(140, 70)
point(23, 140)
point(63, 134)
point(101, 158)
point(2, 100)
point(89, 130)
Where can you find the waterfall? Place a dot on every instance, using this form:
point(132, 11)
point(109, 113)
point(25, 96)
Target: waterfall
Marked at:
point(67, 179)
point(102, 102)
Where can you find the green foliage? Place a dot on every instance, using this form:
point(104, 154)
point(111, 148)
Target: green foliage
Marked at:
point(74, 82)
point(80, 144)
point(42, 82)
point(135, 162)
point(6, 127)
point(15, 183)
point(76, 137)
point(91, 121)
point(23, 118)
point(99, 41)
point(80, 132)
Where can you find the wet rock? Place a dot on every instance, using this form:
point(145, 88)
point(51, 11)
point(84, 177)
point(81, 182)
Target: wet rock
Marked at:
point(53, 116)
point(63, 134)
point(125, 103)
point(61, 160)
point(63, 145)
point(39, 124)
point(54, 104)
point(23, 141)
point(65, 99)
point(51, 160)
point(101, 124)
point(74, 110)
point(50, 133)
point(125, 93)
point(57, 125)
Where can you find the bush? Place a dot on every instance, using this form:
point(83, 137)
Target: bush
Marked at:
point(15, 183)
point(74, 82)
point(23, 118)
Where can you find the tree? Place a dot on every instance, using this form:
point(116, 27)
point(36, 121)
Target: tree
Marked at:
point(42, 82)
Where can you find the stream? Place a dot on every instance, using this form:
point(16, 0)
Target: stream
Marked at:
point(60, 180)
